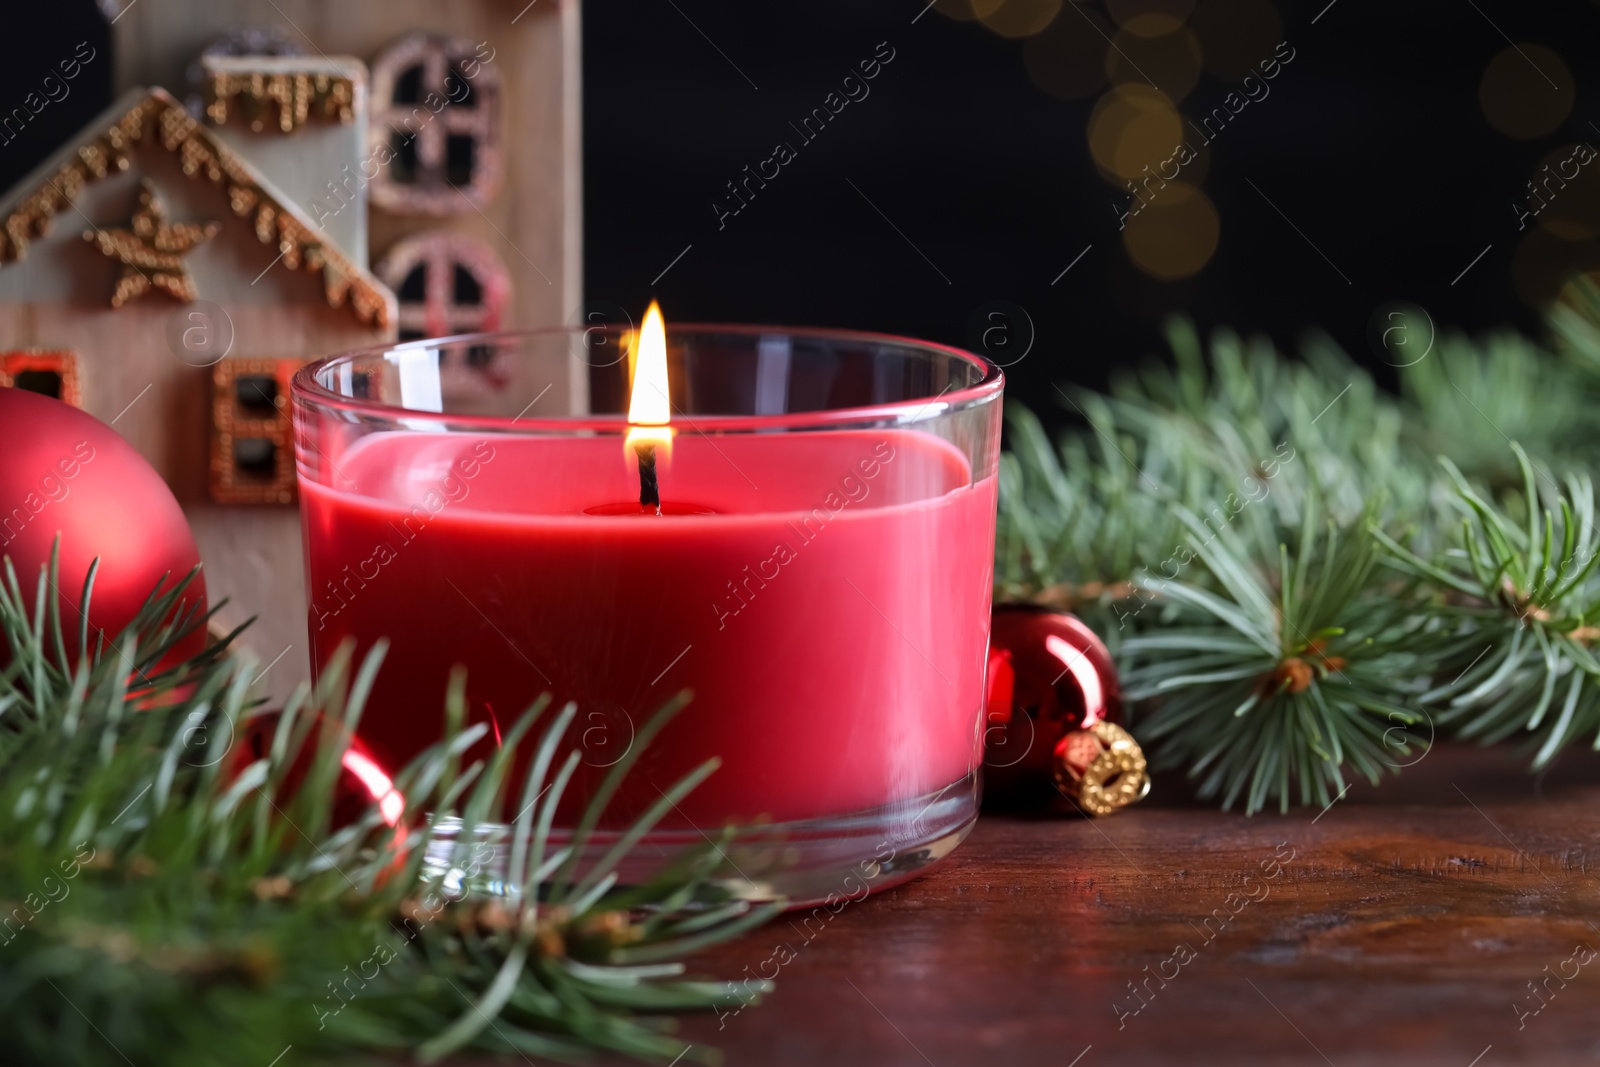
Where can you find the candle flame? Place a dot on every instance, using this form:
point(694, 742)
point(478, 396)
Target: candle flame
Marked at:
point(650, 403)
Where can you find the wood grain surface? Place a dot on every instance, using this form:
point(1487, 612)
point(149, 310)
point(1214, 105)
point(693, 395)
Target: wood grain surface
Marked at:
point(1404, 925)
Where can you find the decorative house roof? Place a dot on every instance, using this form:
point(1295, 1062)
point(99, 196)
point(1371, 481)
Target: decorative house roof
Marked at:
point(153, 118)
point(290, 90)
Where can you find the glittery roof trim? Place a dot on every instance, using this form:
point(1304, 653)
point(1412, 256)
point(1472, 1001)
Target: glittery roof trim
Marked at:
point(160, 119)
point(277, 93)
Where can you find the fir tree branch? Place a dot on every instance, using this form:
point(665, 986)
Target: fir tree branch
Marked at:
point(1180, 522)
point(1272, 687)
point(1514, 645)
point(169, 900)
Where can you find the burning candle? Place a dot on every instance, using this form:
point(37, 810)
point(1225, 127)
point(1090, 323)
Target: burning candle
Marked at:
point(649, 407)
point(810, 555)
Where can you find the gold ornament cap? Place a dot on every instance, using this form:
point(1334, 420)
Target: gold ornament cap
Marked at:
point(1102, 768)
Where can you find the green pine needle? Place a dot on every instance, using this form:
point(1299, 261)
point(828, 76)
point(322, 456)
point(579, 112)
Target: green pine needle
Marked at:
point(1221, 522)
point(1288, 676)
point(167, 898)
point(1515, 615)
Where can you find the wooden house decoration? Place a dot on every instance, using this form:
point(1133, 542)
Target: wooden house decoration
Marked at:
point(483, 95)
point(140, 259)
point(283, 172)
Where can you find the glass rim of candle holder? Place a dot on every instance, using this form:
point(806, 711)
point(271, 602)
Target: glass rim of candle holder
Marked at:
point(310, 384)
point(847, 716)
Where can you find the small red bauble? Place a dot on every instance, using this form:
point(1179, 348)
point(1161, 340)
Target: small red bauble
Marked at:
point(362, 780)
point(65, 472)
point(1054, 714)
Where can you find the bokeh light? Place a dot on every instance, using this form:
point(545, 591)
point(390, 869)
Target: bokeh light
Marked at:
point(1135, 293)
point(1526, 91)
point(1236, 35)
point(1566, 194)
point(1171, 59)
point(967, 10)
point(1175, 234)
point(1133, 127)
point(1067, 59)
point(1543, 264)
point(1157, 16)
point(1021, 18)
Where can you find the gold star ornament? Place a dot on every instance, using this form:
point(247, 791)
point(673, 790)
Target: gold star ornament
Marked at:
point(151, 250)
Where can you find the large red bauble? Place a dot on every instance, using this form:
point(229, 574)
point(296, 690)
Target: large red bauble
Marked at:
point(65, 472)
point(1049, 676)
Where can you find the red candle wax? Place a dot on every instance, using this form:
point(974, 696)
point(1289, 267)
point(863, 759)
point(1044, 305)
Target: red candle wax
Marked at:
point(825, 596)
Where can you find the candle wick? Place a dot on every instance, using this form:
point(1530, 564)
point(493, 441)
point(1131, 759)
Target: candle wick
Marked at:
point(649, 487)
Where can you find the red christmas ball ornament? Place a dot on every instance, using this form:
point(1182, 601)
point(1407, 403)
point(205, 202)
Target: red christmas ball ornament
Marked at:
point(362, 780)
point(66, 473)
point(1054, 714)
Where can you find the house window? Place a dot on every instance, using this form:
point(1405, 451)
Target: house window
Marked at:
point(434, 136)
point(252, 438)
point(55, 374)
point(252, 445)
point(450, 284)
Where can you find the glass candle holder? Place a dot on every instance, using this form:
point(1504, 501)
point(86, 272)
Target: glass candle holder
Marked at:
point(818, 574)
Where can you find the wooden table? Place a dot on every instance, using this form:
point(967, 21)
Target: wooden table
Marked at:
point(1404, 925)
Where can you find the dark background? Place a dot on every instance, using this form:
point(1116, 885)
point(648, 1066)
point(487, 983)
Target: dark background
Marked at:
point(1374, 142)
point(39, 36)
